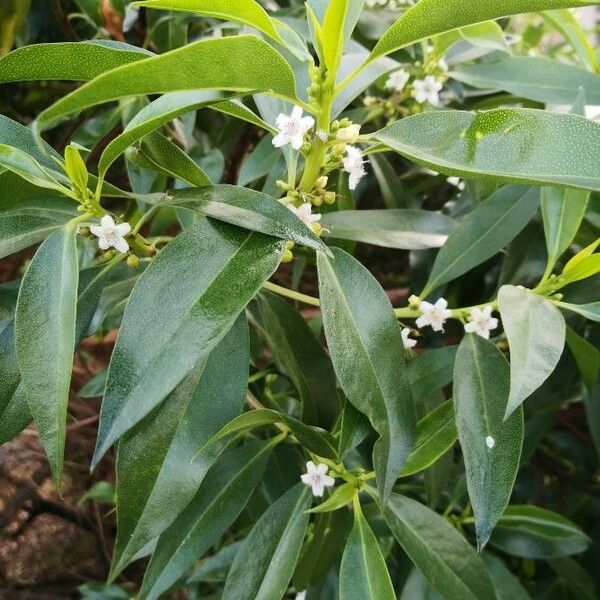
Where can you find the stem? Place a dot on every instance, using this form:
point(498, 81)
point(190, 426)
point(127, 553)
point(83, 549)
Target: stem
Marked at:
point(81, 219)
point(277, 289)
point(348, 79)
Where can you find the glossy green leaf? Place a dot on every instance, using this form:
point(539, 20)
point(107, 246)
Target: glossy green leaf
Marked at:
point(485, 35)
point(506, 585)
point(587, 357)
point(246, 63)
point(483, 233)
point(368, 357)
point(405, 229)
point(45, 338)
point(155, 461)
point(431, 17)
point(342, 496)
point(15, 415)
point(161, 341)
point(216, 567)
point(333, 33)
point(590, 311)
point(436, 434)
point(219, 501)
point(536, 337)
point(581, 255)
point(363, 572)
point(586, 267)
point(249, 209)
point(502, 145)
point(431, 371)
point(265, 563)
point(301, 357)
point(72, 61)
point(534, 532)
point(563, 211)
point(539, 79)
point(481, 388)
point(444, 557)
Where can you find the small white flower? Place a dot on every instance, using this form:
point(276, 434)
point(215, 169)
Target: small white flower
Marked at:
point(481, 322)
point(316, 478)
point(456, 182)
point(111, 235)
point(408, 343)
point(349, 134)
point(301, 595)
point(434, 314)
point(292, 129)
point(490, 442)
point(322, 135)
point(427, 90)
point(305, 214)
point(354, 164)
point(397, 80)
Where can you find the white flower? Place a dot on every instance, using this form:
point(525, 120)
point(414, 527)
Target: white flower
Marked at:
point(354, 164)
point(490, 442)
point(434, 314)
point(316, 477)
point(349, 134)
point(481, 322)
point(427, 90)
point(111, 235)
point(292, 129)
point(301, 595)
point(408, 343)
point(305, 214)
point(397, 80)
point(456, 182)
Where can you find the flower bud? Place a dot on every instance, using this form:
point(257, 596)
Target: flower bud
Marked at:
point(329, 197)
point(133, 261)
point(349, 134)
point(321, 183)
point(287, 256)
point(414, 302)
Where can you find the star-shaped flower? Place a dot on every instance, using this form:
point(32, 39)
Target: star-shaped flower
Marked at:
point(408, 343)
point(481, 322)
point(305, 214)
point(292, 129)
point(434, 314)
point(427, 90)
point(316, 478)
point(397, 80)
point(111, 235)
point(354, 164)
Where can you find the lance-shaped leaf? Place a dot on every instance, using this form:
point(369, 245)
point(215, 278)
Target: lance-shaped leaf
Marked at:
point(444, 557)
point(507, 586)
point(436, 434)
point(333, 33)
point(490, 445)
point(342, 496)
point(180, 308)
point(562, 211)
point(539, 79)
point(431, 371)
point(536, 336)
point(45, 338)
point(246, 63)
point(265, 563)
point(483, 233)
point(431, 17)
point(246, 12)
point(363, 572)
point(219, 501)
point(301, 357)
point(368, 357)
point(590, 311)
point(156, 472)
point(502, 145)
point(405, 229)
point(69, 61)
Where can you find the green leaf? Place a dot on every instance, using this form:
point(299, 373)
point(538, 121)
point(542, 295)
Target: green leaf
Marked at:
point(265, 563)
point(164, 340)
point(341, 497)
point(534, 532)
point(587, 357)
point(45, 339)
point(301, 357)
point(501, 145)
point(586, 267)
point(368, 357)
point(72, 61)
point(507, 586)
point(246, 63)
point(481, 388)
point(363, 572)
point(430, 371)
point(216, 567)
point(333, 34)
point(314, 439)
point(246, 12)
point(436, 434)
point(15, 415)
point(485, 35)
point(249, 209)
point(156, 472)
point(483, 233)
point(539, 79)
point(563, 211)
point(581, 255)
point(430, 17)
point(405, 229)
point(217, 504)
point(445, 558)
point(590, 311)
point(536, 336)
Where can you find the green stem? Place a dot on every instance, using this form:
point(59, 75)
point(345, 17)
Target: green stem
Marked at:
point(81, 219)
point(348, 79)
point(277, 289)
